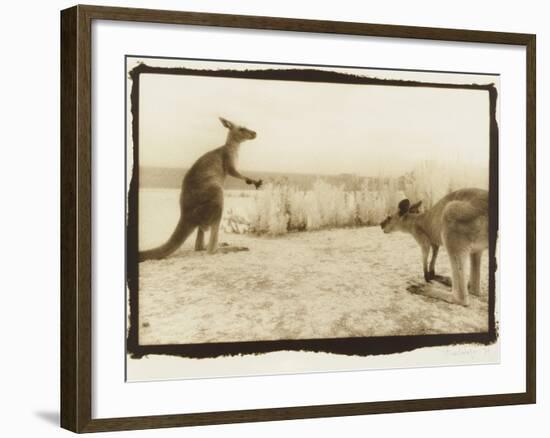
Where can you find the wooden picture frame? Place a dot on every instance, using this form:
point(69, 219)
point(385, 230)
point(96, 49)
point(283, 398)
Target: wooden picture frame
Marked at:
point(76, 217)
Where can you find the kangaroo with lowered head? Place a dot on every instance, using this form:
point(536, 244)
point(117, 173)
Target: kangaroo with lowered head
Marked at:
point(460, 221)
point(201, 198)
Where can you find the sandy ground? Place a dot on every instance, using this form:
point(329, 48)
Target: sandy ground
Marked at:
point(323, 284)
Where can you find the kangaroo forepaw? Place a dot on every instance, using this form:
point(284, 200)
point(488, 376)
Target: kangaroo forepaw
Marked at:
point(258, 184)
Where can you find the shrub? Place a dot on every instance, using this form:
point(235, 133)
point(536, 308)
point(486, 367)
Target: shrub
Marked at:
point(430, 180)
point(283, 207)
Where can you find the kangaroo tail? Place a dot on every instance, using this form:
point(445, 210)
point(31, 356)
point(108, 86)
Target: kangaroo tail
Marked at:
point(182, 232)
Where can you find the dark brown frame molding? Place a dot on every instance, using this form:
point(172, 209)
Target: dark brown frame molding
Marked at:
point(76, 221)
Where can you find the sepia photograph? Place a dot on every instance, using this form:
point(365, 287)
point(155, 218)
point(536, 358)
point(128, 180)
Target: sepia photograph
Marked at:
point(326, 209)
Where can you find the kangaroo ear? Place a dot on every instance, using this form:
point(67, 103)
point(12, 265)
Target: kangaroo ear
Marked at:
point(226, 123)
point(415, 208)
point(404, 206)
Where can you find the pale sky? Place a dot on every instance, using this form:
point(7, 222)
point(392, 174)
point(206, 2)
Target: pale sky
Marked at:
point(314, 127)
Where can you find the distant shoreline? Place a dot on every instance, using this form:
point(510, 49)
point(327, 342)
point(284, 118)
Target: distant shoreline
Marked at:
point(171, 178)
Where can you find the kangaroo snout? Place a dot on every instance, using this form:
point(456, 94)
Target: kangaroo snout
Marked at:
point(252, 135)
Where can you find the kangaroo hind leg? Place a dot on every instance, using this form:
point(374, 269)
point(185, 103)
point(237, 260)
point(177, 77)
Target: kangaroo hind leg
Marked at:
point(475, 274)
point(457, 251)
point(443, 279)
point(213, 241)
point(214, 247)
point(199, 243)
point(425, 248)
point(431, 270)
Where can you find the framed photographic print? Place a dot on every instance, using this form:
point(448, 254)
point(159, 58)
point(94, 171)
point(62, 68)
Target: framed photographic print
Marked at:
point(306, 218)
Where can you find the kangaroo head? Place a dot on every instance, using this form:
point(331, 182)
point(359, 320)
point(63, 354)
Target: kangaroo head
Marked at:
point(399, 220)
point(237, 134)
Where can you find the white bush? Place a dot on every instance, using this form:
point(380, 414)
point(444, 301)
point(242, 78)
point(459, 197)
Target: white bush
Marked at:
point(282, 207)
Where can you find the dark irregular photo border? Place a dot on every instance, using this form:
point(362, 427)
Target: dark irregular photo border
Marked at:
point(358, 346)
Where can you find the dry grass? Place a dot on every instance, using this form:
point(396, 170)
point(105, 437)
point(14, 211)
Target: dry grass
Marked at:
point(283, 207)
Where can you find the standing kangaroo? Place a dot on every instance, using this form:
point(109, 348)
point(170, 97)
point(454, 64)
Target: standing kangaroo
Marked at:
point(460, 221)
point(201, 198)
